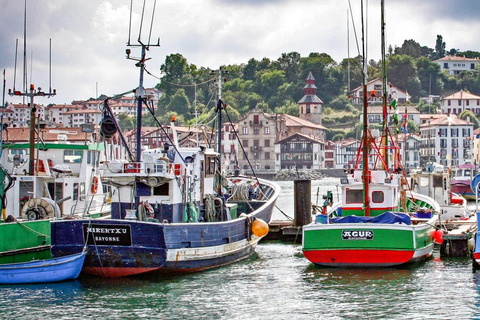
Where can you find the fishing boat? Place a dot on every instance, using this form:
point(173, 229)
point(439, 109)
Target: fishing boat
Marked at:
point(379, 221)
point(457, 220)
point(172, 209)
point(65, 178)
point(43, 271)
point(461, 180)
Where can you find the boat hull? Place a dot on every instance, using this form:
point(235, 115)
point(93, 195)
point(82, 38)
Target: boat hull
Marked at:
point(366, 245)
point(119, 248)
point(463, 188)
point(43, 271)
point(24, 241)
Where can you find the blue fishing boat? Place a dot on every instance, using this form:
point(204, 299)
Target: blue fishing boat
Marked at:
point(173, 209)
point(43, 271)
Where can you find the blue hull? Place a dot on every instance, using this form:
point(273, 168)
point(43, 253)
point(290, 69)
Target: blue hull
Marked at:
point(119, 248)
point(43, 271)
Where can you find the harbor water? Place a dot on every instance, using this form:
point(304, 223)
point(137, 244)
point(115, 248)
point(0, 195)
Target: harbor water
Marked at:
point(277, 282)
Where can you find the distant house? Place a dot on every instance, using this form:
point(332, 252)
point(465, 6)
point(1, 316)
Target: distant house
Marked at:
point(455, 65)
point(446, 140)
point(375, 93)
point(409, 151)
point(346, 153)
point(299, 151)
point(375, 114)
point(460, 101)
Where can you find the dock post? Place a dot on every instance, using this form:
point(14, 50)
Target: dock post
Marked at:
point(303, 202)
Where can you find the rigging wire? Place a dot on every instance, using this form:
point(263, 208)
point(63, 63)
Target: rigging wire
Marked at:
point(354, 29)
point(141, 22)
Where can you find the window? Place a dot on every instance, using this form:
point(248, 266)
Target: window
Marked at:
point(267, 143)
point(266, 130)
point(308, 109)
point(354, 196)
point(72, 156)
point(267, 155)
point(377, 197)
point(210, 165)
point(245, 130)
point(255, 119)
point(245, 143)
point(256, 130)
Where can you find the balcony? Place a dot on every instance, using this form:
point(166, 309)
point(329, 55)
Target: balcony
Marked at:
point(256, 148)
point(259, 123)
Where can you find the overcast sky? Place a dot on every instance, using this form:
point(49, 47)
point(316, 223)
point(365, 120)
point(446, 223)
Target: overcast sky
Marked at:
point(89, 36)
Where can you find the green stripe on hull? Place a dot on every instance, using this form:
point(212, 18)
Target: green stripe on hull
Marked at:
point(24, 235)
point(326, 238)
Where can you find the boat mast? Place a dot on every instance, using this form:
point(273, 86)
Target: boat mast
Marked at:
point(384, 88)
point(33, 93)
point(366, 171)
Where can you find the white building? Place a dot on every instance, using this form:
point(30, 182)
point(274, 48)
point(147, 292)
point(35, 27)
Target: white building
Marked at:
point(75, 118)
point(375, 114)
point(375, 93)
point(460, 101)
point(455, 65)
point(409, 151)
point(346, 153)
point(446, 140)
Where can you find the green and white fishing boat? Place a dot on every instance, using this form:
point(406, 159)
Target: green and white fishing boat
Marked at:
point(379, 221)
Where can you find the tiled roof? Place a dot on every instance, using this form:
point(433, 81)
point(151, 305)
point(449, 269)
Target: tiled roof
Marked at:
point(47, 134)
point(461, 95)
point(451, 120)
point(307, 137)
point(455, 58)
point(292, 121)
point(310, 98)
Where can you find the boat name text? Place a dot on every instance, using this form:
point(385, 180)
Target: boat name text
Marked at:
point(107, 234)
point(357, 234)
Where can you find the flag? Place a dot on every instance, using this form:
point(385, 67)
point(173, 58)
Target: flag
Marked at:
point(393, 104)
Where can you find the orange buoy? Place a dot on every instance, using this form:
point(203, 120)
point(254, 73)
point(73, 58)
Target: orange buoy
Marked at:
point(259, 227)
point(438, 236)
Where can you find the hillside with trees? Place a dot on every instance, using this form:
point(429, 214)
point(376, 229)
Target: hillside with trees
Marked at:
point(275, 86)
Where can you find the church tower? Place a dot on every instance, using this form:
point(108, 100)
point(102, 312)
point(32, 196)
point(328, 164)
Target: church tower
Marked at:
point(310, 105)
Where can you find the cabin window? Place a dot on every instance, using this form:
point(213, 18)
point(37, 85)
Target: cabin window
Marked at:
point(354, 196)
point(210, 166)
point(72, 156)
point(378, 197)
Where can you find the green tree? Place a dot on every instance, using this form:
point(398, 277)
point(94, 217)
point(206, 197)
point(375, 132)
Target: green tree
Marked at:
point(410, 48)
point(440, 47)
point(468, 115)
point(402, 71)
point(179, 103)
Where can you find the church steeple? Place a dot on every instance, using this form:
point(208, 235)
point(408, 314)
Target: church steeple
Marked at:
point(310, 105)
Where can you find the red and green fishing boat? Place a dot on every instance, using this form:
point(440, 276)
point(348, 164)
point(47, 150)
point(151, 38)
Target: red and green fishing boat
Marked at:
point(379, 221)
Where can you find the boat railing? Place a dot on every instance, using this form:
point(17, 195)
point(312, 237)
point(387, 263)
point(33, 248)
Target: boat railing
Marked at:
point(161, 168)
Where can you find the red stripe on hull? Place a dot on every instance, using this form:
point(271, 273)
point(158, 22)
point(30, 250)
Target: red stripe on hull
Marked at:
point(359, 257)
point(112, 272)
point(476, 257)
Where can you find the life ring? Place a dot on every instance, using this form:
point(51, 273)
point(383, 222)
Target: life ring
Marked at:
point(94, 188)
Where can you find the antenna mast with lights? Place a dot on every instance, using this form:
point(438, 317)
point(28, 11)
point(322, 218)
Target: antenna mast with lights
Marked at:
point(140, 92)
point(31, 94)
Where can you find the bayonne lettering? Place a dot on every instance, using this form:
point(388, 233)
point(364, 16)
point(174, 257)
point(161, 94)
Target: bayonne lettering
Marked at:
point(357, 234)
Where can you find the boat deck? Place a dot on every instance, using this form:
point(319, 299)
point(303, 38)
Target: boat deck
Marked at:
point(456, 239)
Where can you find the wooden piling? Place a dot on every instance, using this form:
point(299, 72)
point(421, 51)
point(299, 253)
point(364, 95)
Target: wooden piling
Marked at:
point(303, 202)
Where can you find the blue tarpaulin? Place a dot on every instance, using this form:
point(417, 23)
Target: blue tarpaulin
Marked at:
point(387, 217)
